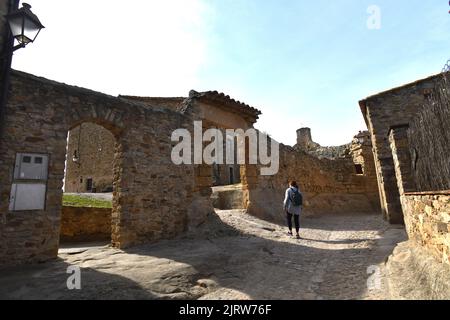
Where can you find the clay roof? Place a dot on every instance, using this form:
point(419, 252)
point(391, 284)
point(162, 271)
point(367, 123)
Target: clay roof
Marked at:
point(212, 97)
point(215, 97)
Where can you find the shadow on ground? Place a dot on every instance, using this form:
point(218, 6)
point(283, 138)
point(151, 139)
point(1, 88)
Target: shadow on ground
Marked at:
point(233, 256)
point(49, 282)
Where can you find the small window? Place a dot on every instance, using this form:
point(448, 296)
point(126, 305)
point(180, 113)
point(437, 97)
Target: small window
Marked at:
point(359, 169)
point(26, 159)
point(38, 160)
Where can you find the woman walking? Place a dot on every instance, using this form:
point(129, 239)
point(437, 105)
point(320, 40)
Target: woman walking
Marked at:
point(293, 204)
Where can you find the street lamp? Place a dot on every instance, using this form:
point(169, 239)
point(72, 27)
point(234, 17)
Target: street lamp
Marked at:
point(25, 25)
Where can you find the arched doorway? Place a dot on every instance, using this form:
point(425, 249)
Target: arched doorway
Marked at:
point(89, 178)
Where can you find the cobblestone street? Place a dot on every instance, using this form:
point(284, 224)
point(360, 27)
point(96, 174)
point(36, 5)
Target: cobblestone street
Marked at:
point(234, 256)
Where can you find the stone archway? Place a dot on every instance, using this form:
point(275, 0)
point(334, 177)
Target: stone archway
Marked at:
point(109, 120)
point(39, 115)
point(89, 180)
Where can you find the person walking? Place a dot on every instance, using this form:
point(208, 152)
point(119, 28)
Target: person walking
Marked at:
point(293, 205)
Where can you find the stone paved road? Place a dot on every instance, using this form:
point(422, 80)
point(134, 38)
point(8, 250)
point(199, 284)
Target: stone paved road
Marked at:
point(235, 256)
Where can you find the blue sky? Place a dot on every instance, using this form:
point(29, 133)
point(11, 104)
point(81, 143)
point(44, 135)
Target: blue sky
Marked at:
point(302, 62)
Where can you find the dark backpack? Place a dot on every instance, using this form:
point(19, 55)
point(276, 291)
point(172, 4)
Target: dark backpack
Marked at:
point(297, 198)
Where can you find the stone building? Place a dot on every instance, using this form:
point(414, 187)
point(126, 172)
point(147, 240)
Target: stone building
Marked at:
point(360, 150)
point(410, 130)
point(41, 116)
point(90, 159)
point(91, 155)
point(144, 176)
point(394, 108)
point(222, 174)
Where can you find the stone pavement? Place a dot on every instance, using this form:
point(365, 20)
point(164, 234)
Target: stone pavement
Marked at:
point(234, 256)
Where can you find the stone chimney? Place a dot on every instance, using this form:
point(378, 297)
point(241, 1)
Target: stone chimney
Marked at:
point(304, 139)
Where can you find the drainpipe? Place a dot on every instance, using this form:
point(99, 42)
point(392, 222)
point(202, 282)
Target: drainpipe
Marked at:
point(5, 60)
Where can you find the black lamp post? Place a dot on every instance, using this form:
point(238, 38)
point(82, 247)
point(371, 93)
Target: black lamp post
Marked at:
point(25, 25)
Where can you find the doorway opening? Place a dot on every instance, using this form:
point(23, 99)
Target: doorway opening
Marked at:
point(86, 217)
point(231, 175)
point(359, 169)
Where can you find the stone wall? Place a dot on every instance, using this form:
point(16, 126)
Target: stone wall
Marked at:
point(360, 151)
point(427, 219)
point(420, 156)
point(228, 197)
point(224, 174)
point(39, 115)
point(383, 111)
point(85, 224)
point(153, 198)
point(93, 147)
point(415, 274)
point(3, 37)
point(174, 104)
point(399, 142)
point(305, 143)
point(304, 140)
point(429, 141)
point(329, 186)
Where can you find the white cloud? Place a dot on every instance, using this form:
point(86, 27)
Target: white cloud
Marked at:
point(152, 48)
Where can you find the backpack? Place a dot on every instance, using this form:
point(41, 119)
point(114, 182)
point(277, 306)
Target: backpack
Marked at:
point(297, 198)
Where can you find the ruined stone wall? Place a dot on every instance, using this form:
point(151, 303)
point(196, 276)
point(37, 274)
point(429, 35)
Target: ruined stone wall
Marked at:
point(396, 107)
point(329, 186)
point(360, 150)
point(429, 141)
point(93, 147)
point(420, 157)
point(305, 143)
point(224, 174)
point(40, 113)
point(173, 104)
point(228, 197)
point(85, 224)
point(427, 219)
